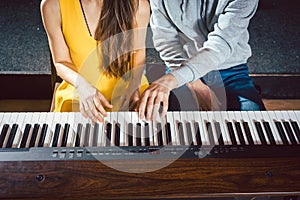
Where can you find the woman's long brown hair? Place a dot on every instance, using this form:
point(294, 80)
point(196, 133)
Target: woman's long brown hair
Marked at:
point(113, 31)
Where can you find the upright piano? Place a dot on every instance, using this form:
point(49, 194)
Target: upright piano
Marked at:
point(185, 155)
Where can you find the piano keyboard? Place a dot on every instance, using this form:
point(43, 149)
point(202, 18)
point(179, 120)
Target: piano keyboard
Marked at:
point(70, 135)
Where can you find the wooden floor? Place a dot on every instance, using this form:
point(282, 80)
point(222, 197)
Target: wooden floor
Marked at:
point(44, 105)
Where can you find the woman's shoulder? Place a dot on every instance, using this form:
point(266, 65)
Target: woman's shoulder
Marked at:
point(50, 6)
point(143, 13)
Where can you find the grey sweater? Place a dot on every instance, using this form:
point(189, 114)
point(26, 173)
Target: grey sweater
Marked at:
point(198, 36)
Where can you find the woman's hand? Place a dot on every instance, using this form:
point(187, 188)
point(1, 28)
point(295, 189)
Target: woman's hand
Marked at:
point(155, 96)
point(92, 102)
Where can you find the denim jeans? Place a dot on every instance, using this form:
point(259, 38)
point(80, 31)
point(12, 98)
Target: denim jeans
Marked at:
point(233, 87)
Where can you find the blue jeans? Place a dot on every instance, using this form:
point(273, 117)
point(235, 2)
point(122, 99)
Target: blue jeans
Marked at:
point(233, 87)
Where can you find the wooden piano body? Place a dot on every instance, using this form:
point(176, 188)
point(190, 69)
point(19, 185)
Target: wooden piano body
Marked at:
point(78, 172)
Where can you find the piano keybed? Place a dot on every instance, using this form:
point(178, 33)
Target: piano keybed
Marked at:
point(215, 131)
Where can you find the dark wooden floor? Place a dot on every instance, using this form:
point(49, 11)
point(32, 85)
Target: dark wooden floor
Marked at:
point(44, 105)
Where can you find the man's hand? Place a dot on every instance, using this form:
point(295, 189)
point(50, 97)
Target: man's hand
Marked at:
point(156, 95)
point(92, 102)
point(130, 100)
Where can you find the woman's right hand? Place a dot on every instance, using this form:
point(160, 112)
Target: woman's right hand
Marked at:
point(92, 102)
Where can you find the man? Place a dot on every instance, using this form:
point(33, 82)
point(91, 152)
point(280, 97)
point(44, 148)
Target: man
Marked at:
point(202, 41)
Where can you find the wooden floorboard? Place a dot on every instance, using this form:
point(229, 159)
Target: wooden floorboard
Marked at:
point(44, 105)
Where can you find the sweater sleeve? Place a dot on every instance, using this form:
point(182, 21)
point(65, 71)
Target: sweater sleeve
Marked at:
point(220, 45)
point(166, 36)
point(228, 29)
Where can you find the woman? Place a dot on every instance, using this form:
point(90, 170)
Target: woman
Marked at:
point(75, 28)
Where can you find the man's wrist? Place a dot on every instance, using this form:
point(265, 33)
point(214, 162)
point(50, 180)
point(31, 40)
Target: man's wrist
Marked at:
point(183, 75)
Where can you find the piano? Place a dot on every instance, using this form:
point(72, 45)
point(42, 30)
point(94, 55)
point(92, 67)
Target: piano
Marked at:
point(187, 154)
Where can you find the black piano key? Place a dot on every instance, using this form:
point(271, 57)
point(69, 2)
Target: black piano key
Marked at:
point(3, 134)
point(219, 133)
point(78, 135)
point(260, 133)
point(231, 133)
point(130, 134)
point(87, 134)
point(34, 135)
point(147, 136)
point(96, 134)
point(198, 136)
point(296, 129)
point(43, 135)
point(117, 134)
point(269, 133)
point(181, 133)
point(12, 136)
point(138, 139)
point(25, 135)
point(56, 135)
point(168, 133)
point(248, 133)
point(210, 133)
point(289, 132)
point(189, 133)
point(108, 134)
point(65, 135)
point(159, 134)
point(240, 133)
point(281, 133)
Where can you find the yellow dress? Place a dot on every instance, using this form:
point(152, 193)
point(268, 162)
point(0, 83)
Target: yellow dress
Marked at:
point(86, 58)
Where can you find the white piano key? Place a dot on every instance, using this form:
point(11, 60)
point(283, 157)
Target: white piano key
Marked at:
point(127, 122)
point(293, 115)
point(151, 134)
point(170, 120)
point(266, 118)
point(72, 130)
point(297, 114)
point(12, 120)
point(239, 119)
point(57, 120)
point(1, 117)
point(176, 119)
point(34, 120)
point(260, 119)
point(41, 121)
point(50, 129)
point(134, 121)
point(143, 134)
point(294, 119)
point(278, 118)
point(219, 118)
point(19, 133)
point(122, 122)
point(105, 141)
point(202, 127)
point(100, 134)
point(191, 120)
point(203, 121)
point(113, 121)
point(288, 118)
point(212, 120)
point(232, 119)
point(183, 116)
point(5, 120)
point(63, 121)
point(248, 117)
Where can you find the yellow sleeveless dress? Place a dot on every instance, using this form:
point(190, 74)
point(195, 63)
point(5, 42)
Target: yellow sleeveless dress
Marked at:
point(87, 59)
